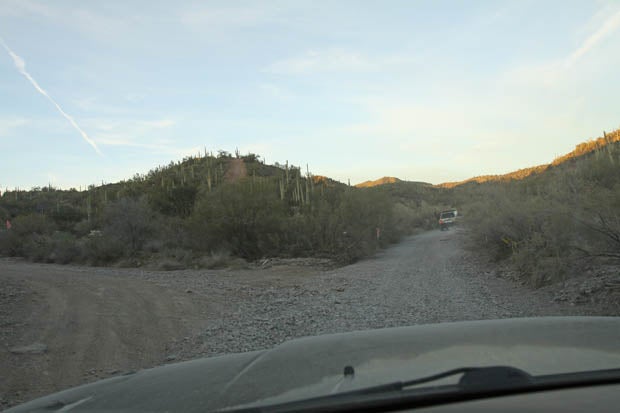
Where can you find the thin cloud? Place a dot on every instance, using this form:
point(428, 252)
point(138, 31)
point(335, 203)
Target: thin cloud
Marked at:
point(160, 124)
point(135, 97)
point(337, 60)
point(557, 72)
point(609, 26)
point(8, 124)
point(21, 67)
point(331, 60)
point(99, 26)
point(274, 91)
point(224, 17)
point(137, 133)
point(24, 8)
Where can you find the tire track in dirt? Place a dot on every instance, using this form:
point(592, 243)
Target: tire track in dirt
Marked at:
point(100, 321)
point(93, 326)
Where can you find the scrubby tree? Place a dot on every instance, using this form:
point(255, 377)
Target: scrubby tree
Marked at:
point(130, 222)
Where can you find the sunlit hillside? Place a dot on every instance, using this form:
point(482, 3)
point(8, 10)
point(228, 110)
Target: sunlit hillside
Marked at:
point(380, 181)
point(580, 150)
point(553, 224)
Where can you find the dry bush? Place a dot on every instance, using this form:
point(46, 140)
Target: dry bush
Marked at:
point(28, 237)
point(100, 250)
point(538, 234)
point(221, 259)
point(131, 222)
point(170, 265)
point(409, 219)
point(548, 224)
point(64, 248)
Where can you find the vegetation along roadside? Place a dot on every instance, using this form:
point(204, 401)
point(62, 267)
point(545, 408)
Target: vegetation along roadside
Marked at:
point(547, 222)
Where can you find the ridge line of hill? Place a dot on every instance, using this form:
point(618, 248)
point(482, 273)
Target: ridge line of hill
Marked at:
point(580, 150)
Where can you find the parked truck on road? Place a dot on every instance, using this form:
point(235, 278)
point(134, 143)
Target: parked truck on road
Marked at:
point(447, 219)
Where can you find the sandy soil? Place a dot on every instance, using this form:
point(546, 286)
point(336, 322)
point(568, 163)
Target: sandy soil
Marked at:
point(86, 326)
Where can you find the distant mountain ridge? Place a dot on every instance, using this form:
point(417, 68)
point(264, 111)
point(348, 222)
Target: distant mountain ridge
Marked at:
point(580, 150)
point(380, 181)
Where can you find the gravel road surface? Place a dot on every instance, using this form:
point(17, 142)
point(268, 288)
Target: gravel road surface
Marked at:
point(65, 325)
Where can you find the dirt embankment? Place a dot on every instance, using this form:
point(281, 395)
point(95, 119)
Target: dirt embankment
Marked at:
point(62, 326)
point(236, 170)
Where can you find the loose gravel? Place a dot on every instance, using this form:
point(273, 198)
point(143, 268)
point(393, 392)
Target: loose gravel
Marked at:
point(428, 278)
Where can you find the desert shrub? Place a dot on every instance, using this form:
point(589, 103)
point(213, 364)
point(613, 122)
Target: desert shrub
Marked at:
point(65, 248)
point(253, 220)
point(10, 245)
point(60, 247)
point(537, 233)
point(358, 215)
point(170, 265)
point(221, 260)
point(171, 231)
point(180, 255)
point(28, 236)
point(420, 217)
point(178, 201)
point(100, 250)
point(539, 261)
point(490, 229)
point(318, 232)
point(599, 219)
point(153, 246)
point(26, 225)
point(65, 216)
point(236, 218)
point(296, 236)
point(4, 242)
point(84, 227)
point(548, 224)
point(38, 248)
point(129, 222)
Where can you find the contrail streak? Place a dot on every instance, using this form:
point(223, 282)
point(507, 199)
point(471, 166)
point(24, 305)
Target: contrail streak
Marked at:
point(21, 67)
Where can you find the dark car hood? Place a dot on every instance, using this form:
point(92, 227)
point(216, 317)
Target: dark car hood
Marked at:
point(313, 366)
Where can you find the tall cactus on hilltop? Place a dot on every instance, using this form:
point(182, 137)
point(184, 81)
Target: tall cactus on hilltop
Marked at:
point(286, 171)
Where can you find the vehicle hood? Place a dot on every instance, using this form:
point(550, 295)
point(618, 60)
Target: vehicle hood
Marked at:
point(313, 366)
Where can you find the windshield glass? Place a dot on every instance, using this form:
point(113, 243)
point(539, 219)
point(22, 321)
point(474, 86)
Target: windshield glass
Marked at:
point(189, 179)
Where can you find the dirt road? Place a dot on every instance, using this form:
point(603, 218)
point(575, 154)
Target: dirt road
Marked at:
point(425, 279)
point(95, 322)
point(83, 326)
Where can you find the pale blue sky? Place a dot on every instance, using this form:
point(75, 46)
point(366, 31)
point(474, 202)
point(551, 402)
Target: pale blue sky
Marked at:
point(423, 90)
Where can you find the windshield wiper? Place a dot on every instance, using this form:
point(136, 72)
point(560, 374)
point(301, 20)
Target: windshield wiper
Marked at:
point(475, 383)
point(472, 377)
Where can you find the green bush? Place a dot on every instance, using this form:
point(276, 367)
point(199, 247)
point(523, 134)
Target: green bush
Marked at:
point(28, 237)
point(130, 223)
point(38, 248)
point(548, 224)
point(220, 259)
point(10, 244)
point(234, 217)
point(100, 250)
point(65, 248)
